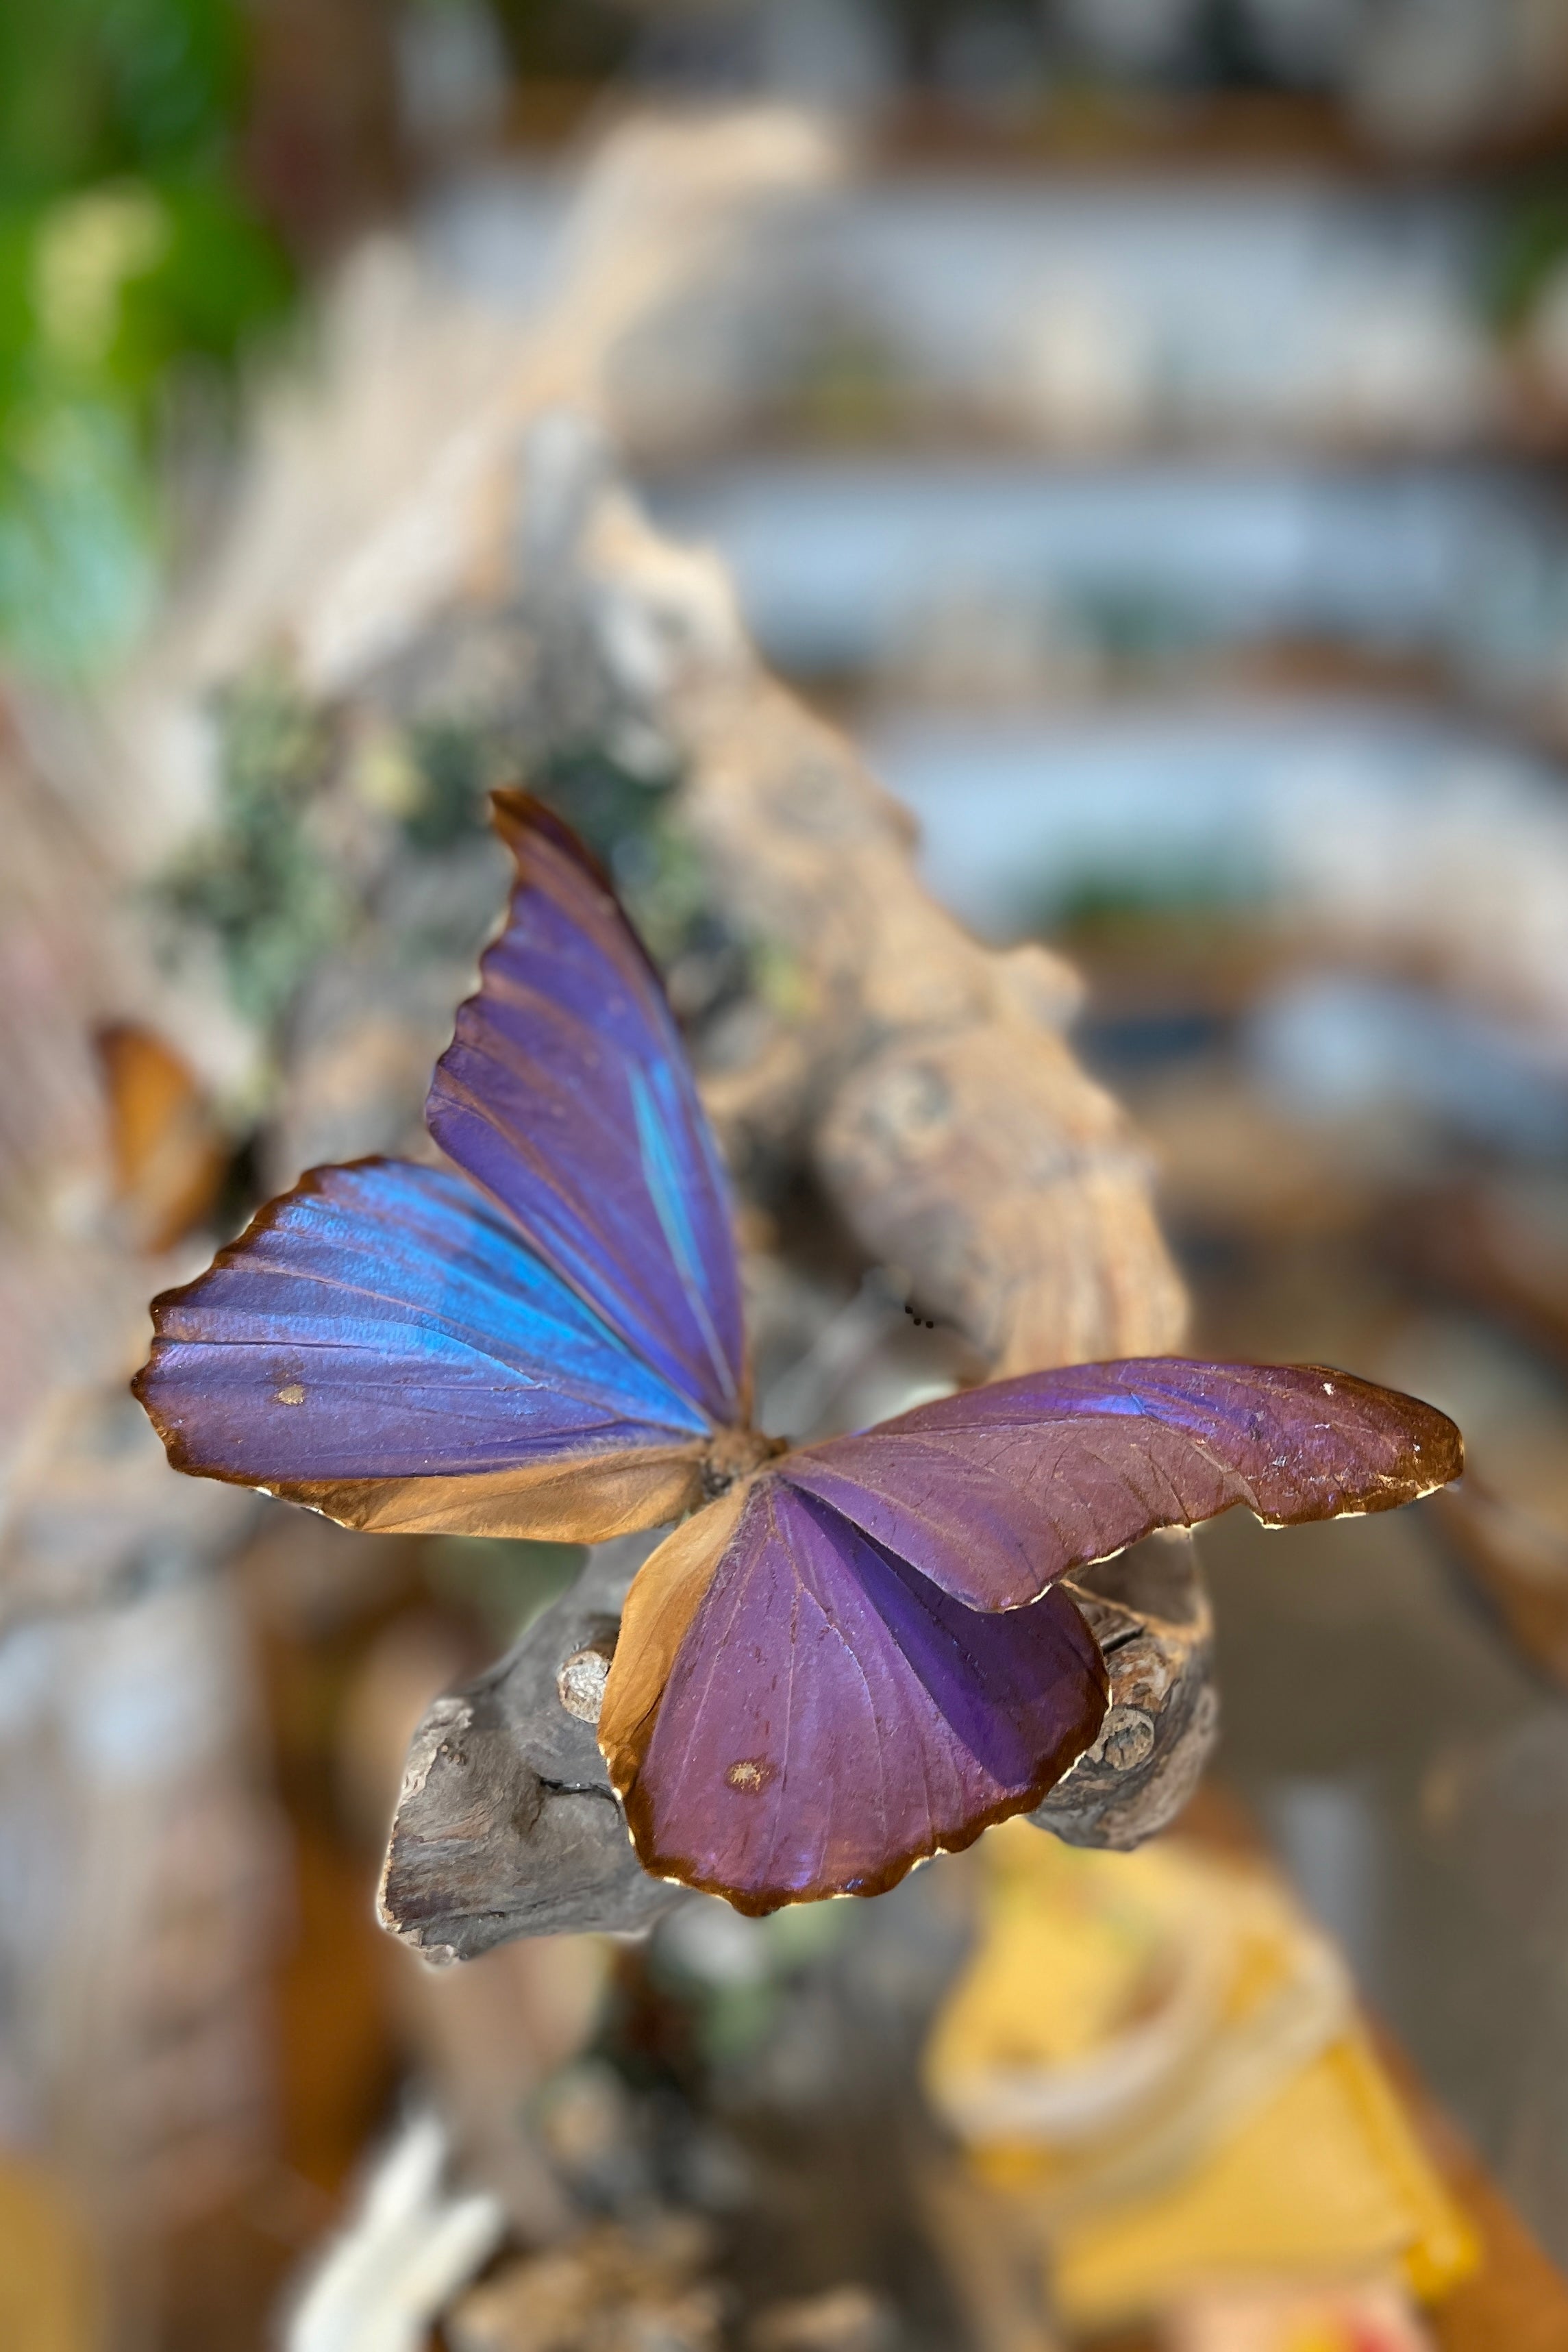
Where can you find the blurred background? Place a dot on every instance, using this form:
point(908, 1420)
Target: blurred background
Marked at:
point(1141, 426)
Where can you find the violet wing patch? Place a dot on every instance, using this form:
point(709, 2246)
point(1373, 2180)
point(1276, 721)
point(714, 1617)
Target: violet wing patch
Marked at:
point(996, 1491)
point(831, 1717)
point(384, 1321)
point(566, 1094)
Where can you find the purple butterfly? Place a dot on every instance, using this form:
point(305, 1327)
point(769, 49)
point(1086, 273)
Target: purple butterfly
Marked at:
point(847, 1657)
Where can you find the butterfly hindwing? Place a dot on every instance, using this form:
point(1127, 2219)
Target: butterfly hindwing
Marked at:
point(566, 1094)
point(795, 1712)
point(383, 1344)
point(996, 1491)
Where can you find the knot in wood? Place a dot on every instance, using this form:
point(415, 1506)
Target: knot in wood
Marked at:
point(1126, 1739)
point(579, 1684)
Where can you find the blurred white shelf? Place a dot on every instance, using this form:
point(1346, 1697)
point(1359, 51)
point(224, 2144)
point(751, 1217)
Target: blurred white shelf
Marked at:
point(862, 566)
point(1079, 310)
point(1283, 800)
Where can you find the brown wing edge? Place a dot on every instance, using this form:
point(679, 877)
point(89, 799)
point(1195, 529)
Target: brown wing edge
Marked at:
point(568, 1499)
point(572, 1500)
point(1428, 1434)
point(161, 1308)
point(518, 817)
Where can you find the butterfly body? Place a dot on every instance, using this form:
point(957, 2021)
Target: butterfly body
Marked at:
point(733, 1454)
point(849, 1655)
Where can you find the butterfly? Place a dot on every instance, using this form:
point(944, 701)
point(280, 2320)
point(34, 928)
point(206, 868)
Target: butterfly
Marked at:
point(848, 1655)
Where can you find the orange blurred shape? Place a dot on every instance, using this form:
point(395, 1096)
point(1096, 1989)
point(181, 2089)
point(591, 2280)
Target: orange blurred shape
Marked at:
point(50, 2294)
point(169, 1153)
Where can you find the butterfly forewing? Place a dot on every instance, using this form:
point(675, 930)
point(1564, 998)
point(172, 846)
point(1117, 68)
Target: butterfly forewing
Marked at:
point(567, 1094)
point(994, 1492)
point(382, 1343)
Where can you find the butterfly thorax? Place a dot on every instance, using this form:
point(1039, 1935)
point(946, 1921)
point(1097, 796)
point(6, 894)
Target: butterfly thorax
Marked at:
point(734, 1454)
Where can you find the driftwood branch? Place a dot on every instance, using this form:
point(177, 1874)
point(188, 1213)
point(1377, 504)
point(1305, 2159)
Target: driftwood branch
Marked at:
point(507, 1824)
point(923, 1077)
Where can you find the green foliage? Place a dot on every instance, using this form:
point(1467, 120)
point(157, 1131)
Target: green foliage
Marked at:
point(624, 818)
point(600, 797)
point(127, 251)
point(95, 89)
point(1197, 887)
point(217, 277)
point(453, 767)
point(259, 883)
point(78, 533)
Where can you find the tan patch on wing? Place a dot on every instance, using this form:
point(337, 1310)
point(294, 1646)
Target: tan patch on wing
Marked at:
point(665, 1595)
point(561, 1501)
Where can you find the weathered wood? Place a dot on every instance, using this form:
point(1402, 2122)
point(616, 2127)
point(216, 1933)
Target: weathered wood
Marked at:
point(1149, 1611)
point(507, 1824)
point(923, 1077)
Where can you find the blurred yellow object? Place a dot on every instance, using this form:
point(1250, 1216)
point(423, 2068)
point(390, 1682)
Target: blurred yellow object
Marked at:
point(1326, 2179)
point(1371, 2315)
point(1160, 2058)
point(48, 2285)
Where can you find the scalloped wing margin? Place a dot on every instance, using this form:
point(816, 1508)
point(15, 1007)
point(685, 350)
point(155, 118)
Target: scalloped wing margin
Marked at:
point(794, 1712)
point(381, 1345)
point(996, 1492)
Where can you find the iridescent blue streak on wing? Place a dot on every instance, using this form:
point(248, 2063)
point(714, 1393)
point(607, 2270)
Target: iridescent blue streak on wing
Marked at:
point(831, 1717)
point(386, 1321)
point(995, 1492)
point(566, 1094)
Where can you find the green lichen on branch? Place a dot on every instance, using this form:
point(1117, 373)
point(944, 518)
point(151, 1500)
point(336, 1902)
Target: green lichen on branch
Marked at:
point(261, 883)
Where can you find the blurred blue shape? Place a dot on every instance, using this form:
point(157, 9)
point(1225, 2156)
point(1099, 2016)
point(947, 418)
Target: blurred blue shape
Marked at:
point(1338, 1045)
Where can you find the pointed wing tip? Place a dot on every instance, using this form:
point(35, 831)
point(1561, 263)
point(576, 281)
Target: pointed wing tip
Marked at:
point(520, 817)
point(1431, 1446)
